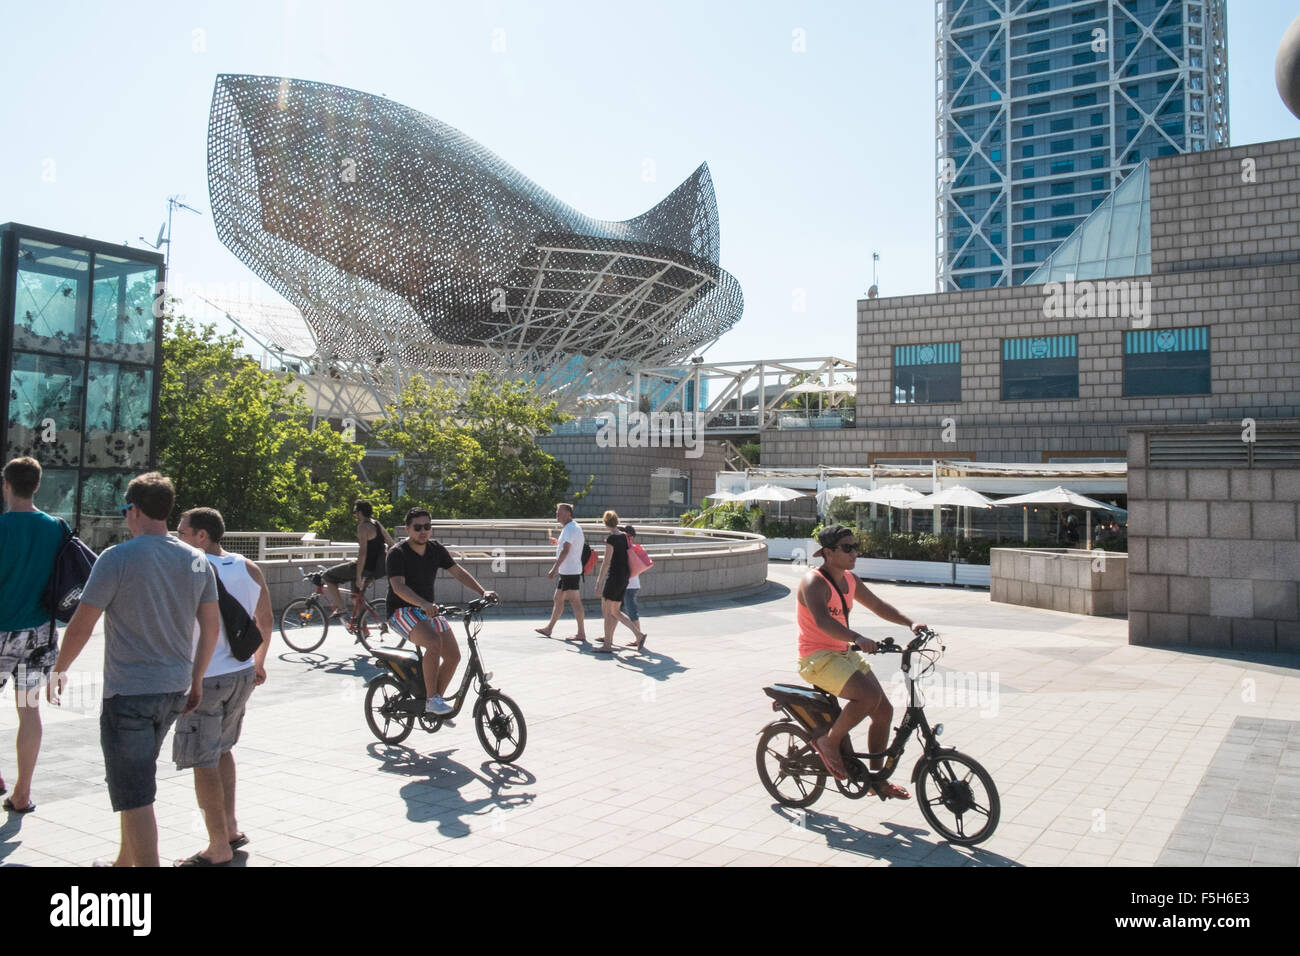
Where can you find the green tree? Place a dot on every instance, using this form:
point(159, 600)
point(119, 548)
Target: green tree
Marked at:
point(236, 438)
point(473, 455)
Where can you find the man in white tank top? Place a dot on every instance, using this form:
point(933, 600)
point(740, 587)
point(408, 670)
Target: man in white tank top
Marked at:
point(205, 738)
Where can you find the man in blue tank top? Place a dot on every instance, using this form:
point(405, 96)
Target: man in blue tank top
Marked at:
point(29, 541)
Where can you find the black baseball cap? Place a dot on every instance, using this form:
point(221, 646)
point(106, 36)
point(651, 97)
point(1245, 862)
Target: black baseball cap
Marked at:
point(830, 536)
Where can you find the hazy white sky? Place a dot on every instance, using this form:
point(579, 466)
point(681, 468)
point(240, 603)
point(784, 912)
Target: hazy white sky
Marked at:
point(819, 156)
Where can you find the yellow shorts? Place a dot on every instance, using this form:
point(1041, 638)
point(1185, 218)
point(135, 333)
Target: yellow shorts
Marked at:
point(831, 670)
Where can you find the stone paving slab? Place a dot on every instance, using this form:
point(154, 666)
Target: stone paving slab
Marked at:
point(1247, 807)
point(1099, 750)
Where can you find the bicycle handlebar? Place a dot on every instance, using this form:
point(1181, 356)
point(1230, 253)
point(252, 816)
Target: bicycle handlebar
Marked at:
point(473, 607)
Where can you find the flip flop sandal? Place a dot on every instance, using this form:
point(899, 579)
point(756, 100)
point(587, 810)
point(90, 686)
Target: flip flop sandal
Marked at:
point(598, 649)
point(892, 792)
point(198, 859)
point(829, 769)
point(9, 805)
point(241, 839)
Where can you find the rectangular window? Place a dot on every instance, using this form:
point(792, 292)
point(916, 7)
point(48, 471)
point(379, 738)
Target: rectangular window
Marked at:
point(1167, 362)
point(1063, 209)
point(926, 374)
point(1083, 79)
point(1088, 99)
point(1035, 109)
point(1042, 86)
point(1042, 368)
point(1063, 166)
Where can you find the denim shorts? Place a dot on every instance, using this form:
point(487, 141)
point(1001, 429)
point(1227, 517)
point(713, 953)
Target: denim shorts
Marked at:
point(629, 604)
point(204, 734)
point(131, 732)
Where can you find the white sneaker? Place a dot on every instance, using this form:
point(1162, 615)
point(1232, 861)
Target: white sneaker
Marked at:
point(436, 705)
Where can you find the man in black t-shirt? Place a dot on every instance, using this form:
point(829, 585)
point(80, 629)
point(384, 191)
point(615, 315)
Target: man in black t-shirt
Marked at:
point(412, 567)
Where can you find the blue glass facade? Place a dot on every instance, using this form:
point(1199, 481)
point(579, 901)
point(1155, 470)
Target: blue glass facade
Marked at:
point(1046, 106)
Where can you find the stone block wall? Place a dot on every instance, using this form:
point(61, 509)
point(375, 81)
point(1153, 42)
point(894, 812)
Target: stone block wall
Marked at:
point(1074, 580)
point(1214, 551)
point(622, 475)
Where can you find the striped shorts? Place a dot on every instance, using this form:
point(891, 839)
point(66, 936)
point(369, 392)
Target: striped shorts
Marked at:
point(405, 619)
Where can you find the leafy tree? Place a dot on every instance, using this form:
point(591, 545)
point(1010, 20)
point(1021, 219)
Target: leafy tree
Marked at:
point(236, 438)
point(474, 455)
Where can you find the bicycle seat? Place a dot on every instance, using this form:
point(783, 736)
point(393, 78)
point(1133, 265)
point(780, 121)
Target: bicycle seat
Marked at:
point(399, 656)
point(811, 706)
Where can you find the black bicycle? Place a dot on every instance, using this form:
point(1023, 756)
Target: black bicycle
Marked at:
point(305, 623)
point(395, 700)
point(956, 794)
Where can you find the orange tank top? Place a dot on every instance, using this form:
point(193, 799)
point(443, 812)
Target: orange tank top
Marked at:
point(811, 637)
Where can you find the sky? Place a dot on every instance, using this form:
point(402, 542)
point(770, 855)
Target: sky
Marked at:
point(816, 120)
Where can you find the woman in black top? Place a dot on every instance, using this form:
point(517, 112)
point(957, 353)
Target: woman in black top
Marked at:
point(614, 574)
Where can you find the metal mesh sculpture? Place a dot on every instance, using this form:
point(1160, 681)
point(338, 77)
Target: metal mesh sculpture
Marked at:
point(402, 240)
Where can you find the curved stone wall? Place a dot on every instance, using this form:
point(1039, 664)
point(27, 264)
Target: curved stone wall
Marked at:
point(512, 558)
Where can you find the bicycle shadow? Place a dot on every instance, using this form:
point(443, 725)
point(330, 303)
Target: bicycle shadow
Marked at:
point(901, 846)
point(438, 797)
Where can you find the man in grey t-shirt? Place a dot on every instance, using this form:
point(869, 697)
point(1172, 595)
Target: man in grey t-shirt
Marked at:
point(151, 590)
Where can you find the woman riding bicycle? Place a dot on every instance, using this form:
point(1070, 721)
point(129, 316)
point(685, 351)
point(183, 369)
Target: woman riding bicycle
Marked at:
point(826, 657)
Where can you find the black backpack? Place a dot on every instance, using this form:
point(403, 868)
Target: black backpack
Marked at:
point(72, 564)
point(241, 630)
point(586, 556)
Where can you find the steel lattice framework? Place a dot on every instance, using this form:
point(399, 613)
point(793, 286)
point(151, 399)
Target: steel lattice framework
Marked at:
point(402, 240)
point(991, 151)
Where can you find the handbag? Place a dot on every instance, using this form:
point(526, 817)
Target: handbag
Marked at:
point(638, 561)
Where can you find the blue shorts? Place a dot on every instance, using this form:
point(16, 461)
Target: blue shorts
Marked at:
point(131, 732)
point(629, 604)
point(405, 620)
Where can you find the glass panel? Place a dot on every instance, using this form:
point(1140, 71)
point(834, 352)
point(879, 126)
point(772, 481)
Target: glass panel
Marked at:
point(1042, 368)
point(1093, 235)
point(923, 384)
point(45, 396)
point(1125, 220)
point(121, 310)
point(102, 497)
point(50, 299)
point(57, 494)
point(117, 416)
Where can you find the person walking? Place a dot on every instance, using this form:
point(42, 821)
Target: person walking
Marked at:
point(628, 613)
point(568, 565)
point(150, 590)
point(614, 575)
point(29, 541)
point(205, 739)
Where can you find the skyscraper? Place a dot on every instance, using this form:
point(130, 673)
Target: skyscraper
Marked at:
point(1045, 106)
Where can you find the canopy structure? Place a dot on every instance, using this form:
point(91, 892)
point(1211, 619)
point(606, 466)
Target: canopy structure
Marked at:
point(1064, 499)
point(824, 498)
point(771, 493)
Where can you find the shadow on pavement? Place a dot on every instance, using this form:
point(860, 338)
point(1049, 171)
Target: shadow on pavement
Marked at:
point(9, 831)
point(901, 845)
point(437, 797)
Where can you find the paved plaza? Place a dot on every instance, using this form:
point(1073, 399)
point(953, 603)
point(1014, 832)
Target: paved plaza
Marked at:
point(1104, 753)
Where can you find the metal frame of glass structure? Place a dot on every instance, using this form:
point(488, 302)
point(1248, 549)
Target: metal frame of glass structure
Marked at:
point(409, 247)
point(82, 352)
point(1043, 107)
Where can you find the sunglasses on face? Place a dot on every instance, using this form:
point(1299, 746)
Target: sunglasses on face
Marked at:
point(126, 508)
point(850, 548)
point(422, 527)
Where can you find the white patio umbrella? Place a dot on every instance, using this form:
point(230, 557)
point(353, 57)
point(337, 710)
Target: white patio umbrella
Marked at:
point(891, 496)
point(770, 493)
point(722, 496)
point(958, 496)
point(1062, 498)
point(824, 498)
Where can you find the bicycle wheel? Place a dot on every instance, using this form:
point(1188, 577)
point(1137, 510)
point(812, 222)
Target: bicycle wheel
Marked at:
point(958, 798)
point(374, 631)
point(303, 625)
point(501, 728)
point(790, 769)
point(391, 727)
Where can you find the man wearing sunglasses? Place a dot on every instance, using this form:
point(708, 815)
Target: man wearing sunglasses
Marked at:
point(412, 567)
point(827, 657)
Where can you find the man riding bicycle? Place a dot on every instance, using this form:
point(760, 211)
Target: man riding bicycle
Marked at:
point(373, 541)
point(826, 658)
